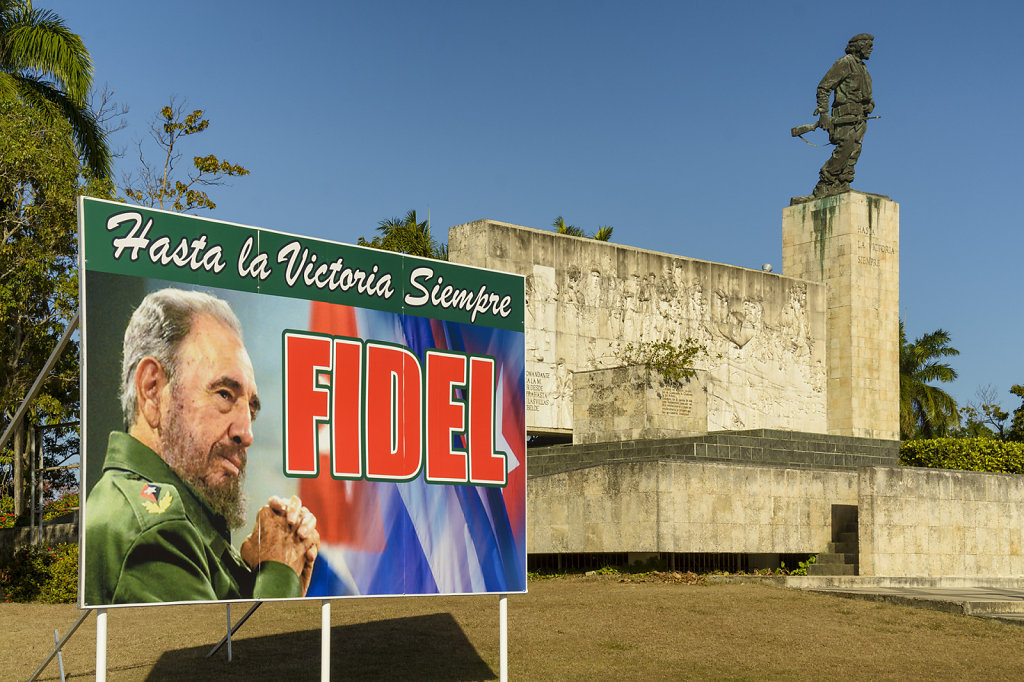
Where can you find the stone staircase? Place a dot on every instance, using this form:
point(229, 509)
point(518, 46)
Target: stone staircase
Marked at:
point(843, 554)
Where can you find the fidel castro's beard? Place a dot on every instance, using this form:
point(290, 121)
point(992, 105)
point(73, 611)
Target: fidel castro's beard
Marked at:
point(184, 454)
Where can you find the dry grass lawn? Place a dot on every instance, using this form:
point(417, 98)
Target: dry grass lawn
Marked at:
point(572, 628)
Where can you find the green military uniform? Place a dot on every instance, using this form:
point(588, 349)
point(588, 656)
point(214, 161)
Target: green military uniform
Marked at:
point(149, 538)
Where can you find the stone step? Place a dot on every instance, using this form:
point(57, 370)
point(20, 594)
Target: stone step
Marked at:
point(831, 569)
point(842, 548)
point(836, 558)
point(848, 537)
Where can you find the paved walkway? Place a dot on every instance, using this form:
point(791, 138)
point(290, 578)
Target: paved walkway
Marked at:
point(1001, 599)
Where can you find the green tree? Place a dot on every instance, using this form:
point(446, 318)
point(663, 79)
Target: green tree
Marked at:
point(1016, 432)
point(603, 234)
point(159, 183)
point(45, 65)
point(40, 176)
point(983, 417)
point(926, 411)
point(407, 235)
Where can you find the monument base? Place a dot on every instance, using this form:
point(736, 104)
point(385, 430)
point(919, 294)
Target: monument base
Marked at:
point(850, 242)
point(793, 201)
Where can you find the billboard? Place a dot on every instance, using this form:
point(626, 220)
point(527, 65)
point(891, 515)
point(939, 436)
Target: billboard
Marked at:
point(270, 416)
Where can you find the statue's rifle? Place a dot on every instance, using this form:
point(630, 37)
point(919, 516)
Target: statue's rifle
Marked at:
point(800, 131)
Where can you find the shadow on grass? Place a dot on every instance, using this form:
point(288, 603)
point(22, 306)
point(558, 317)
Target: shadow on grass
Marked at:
point(431, 647)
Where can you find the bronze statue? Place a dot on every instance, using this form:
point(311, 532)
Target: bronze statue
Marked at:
point(849, 80)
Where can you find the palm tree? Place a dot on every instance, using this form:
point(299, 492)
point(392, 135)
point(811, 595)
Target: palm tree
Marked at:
point(926, 411)
point(406, 235)
point(603, 234)
point(45, 65)
point(571, 230)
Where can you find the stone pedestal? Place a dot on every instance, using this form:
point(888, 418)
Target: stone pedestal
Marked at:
point(635, 403)
point(850, 242)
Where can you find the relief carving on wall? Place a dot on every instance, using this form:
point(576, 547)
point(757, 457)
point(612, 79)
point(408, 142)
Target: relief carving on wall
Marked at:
point(763, 366)
point(736, 319)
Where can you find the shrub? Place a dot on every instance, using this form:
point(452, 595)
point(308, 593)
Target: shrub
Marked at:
point(48, 574)
point(7, 517)
point(969, 454)
point(60, 506)
point(672, 360)
point(62, 585)
point(802, 566)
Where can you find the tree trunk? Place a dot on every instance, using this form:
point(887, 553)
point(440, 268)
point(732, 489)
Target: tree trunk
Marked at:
point(19, 469)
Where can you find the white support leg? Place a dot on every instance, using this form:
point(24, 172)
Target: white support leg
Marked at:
point(325, 640)
point(229, 632)
point(101, 645)
point(503, 637)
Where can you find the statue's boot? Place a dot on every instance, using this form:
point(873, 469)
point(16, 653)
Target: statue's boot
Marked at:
point(830, 189)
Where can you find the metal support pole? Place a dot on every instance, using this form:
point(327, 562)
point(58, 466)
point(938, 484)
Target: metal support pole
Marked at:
point(38, 384)
point(60, 655)
point(101, 645)
point(503, 637)
point(232, 630)
point(37, 444)
point(325, 640)
point(229, 632)
point(30, 448)
point(60, 645)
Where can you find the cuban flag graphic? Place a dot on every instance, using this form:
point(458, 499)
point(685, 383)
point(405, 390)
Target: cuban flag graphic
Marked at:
point(150, 492)
point(382, 538)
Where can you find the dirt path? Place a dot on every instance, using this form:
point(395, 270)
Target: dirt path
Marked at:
point(565, 628)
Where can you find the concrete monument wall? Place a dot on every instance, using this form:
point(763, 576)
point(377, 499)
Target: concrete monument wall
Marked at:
point(936, 522)
point(636, 403)
point(913, 523)
point(665, 506)
point(850, 242)
point(587, 299)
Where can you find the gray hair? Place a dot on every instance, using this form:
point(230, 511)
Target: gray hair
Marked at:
point(157, 329)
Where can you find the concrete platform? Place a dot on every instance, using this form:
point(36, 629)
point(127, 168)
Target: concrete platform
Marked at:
point(997, 598)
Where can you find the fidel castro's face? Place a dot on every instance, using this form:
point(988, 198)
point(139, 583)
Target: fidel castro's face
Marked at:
point(212, 404)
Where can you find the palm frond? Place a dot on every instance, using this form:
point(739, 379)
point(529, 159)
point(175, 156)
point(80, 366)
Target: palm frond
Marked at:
point(925, 410)
point(89, 136)
point(39, 40)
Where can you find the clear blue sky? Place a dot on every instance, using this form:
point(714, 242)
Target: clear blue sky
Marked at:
point(667, 120)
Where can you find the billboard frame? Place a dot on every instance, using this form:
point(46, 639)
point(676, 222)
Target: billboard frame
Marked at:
point(425, 278)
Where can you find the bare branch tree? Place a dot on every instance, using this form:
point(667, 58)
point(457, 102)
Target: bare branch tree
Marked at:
point(155, 183)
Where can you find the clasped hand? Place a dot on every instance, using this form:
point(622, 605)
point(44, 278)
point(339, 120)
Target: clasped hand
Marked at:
point(285, 531)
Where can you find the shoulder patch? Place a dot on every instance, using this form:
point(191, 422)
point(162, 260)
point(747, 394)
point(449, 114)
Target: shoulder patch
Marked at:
point(152, 500)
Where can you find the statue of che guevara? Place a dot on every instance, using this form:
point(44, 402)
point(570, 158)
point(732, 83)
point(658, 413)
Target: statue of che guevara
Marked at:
point(850, 82)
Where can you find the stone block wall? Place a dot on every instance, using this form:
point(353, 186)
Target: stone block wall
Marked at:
point(12, 539)
point(787, 449)
point(937, 522)
point(912, 523)
point(664, 506)
point(586, 299)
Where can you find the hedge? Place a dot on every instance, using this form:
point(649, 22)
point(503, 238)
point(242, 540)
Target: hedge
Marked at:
point(969, 454)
